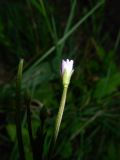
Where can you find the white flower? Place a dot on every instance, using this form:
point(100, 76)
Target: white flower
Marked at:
point(67, 70)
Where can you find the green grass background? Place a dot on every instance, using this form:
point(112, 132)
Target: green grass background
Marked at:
point(44, 33)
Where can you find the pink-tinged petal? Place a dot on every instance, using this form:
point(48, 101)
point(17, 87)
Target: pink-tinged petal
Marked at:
point(67, 61)
point(71, 65)
point(63, 66)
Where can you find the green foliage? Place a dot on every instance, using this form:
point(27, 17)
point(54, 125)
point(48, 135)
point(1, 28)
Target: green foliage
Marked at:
point(106, 86)
point(11, 131)
point(43, 34)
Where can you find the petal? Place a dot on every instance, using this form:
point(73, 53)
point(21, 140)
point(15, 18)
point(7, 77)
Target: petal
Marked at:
point(67, 60)
point(70, 66)
point(63, 66)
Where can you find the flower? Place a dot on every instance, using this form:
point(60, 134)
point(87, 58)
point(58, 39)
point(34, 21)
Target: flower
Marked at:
point(67, 70)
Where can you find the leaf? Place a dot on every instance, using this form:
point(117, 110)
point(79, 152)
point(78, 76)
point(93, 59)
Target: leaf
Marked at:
point(112, 151)
point(11, 128)
point(66, 150)
point(106, 86)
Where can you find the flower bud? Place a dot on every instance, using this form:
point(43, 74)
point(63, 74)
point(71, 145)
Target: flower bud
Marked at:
point(67, 70)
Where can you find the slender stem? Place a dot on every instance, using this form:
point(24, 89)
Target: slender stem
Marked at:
point(29, 123)
point(60, 113)
point(18, 115)
point(58, 122)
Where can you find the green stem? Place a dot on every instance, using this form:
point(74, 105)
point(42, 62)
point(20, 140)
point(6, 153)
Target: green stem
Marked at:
point(60, 113)
point(29, 123)
point(18, 107)
point(58, 123)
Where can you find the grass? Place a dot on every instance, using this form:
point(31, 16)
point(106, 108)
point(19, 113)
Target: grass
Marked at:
point(90, 125)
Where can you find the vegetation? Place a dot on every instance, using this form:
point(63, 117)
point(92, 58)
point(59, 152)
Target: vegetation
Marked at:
point(43, 33)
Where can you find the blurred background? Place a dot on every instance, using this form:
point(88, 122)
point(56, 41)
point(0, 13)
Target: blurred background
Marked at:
point(43, 33)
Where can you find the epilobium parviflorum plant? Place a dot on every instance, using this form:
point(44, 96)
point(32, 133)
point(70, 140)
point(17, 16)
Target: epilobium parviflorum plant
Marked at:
point(67, 71)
